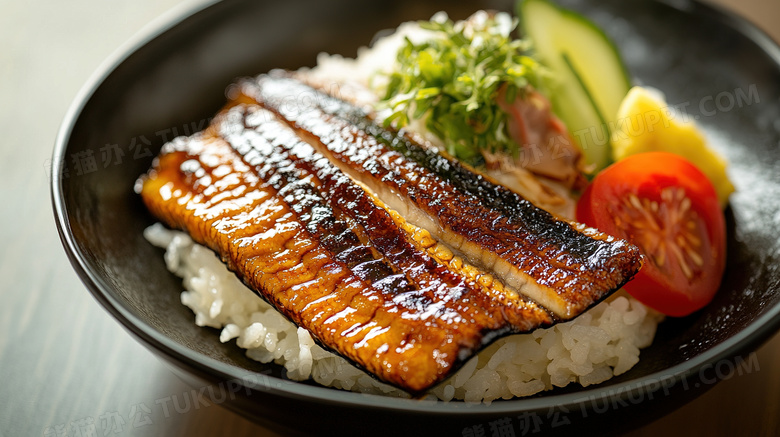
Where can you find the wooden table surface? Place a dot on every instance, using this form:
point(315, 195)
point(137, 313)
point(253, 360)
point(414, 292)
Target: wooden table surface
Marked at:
point(66, 367)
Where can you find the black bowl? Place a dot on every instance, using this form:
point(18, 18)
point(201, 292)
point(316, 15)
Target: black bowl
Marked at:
point(169, 81)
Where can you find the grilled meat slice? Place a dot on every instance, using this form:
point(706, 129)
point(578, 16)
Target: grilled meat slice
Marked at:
point(562, 266)
point(327, 254)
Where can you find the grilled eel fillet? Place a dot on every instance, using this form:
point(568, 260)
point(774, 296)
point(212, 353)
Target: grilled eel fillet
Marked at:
point(284, 214)
point(561, 266)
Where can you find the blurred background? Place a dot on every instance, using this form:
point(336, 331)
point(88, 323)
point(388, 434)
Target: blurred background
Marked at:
point(56, 383)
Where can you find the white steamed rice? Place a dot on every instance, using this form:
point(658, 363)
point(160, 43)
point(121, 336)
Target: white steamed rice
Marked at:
point(602, 342)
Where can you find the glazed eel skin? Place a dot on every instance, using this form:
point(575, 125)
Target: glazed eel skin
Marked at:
point(557, 264)
point(391, 257)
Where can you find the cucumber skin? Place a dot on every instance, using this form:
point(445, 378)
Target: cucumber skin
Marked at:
point(625, 73)
point(572, 15)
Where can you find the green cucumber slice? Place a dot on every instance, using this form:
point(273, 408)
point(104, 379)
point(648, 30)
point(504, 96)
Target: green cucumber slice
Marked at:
point(589, 79)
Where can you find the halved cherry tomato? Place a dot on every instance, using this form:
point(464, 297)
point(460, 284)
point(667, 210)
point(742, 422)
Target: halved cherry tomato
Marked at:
point(668, 208)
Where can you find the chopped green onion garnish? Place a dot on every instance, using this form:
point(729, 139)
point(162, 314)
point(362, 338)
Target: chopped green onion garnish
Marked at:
point(453, 79)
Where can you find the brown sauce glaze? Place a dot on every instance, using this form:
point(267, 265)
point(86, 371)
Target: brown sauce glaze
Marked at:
point(322, 251)
point(547, 259)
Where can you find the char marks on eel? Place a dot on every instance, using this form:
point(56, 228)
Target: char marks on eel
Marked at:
point(532, 252)
point(396, 257)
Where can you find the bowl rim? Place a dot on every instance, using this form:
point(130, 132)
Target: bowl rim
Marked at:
point(754, 334)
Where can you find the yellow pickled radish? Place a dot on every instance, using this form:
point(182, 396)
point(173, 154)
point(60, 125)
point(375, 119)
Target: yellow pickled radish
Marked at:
point(645, 123)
